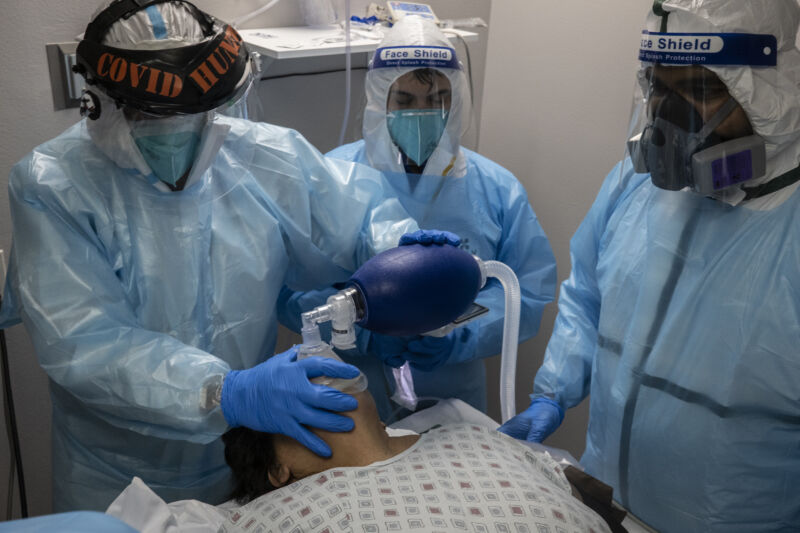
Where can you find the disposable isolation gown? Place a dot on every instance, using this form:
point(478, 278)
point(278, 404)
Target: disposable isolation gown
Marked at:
point(692, 357)
point(135, 297)
point(488, 208)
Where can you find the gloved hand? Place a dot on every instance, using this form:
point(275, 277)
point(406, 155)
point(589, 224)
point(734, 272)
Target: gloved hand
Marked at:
point(427, 353)
point(536, 422)
point(430, 236)
point(422, 352)
point(389, 349)
point(276, 396)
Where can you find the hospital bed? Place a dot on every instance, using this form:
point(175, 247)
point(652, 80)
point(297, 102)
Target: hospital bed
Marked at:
point(140, 507)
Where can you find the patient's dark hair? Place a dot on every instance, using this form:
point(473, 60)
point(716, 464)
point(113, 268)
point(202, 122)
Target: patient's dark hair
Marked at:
point(250, 455)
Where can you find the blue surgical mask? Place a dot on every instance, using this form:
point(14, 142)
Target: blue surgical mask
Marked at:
point(417, 131)
point(169, 145)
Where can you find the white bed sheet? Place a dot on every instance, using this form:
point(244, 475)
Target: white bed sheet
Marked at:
point(142, 509)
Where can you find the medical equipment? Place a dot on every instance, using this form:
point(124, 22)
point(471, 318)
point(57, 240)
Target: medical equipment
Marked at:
point(276, 397)
point(470, 22)
point(314, 346)
point(2, 271)
point(415, 289)
point(398, 10)
point(474, 311)
point(15, 458)
point(348, 70)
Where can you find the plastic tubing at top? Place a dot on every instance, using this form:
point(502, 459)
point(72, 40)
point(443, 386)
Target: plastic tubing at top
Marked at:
point(252, 14)
point(508, 364)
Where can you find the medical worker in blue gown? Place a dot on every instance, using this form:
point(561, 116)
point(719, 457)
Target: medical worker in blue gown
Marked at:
point(681, 315)
point(418, 107)
point(151, 241)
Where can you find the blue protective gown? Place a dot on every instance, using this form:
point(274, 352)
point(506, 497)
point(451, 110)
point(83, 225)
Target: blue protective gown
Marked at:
point(681, 316)
point(136, 297)
point(74, 522)
point(488, 208)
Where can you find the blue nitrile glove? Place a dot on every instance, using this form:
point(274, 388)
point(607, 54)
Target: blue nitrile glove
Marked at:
point(536, 422)
point(276, 396)
point(422, 352)
point(427, 353)
point(430, 236)
point(389, 349)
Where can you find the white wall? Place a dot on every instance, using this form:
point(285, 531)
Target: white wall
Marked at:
point(557, 95)
point(313, 105)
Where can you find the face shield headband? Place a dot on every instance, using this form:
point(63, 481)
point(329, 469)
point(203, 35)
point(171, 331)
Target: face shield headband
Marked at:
point(676, 146)
point(414, 57)
point(184, 80)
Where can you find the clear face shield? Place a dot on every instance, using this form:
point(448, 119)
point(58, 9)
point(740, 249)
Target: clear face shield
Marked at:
point(169, 143)
point(244, 102)
point(686, 129)
point(418, 106)
point(417, 109)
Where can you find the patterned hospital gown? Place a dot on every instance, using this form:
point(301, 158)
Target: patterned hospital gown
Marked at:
point(454, 478)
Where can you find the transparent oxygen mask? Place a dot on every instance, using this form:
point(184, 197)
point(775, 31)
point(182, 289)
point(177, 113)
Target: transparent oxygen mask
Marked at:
point(313, 345)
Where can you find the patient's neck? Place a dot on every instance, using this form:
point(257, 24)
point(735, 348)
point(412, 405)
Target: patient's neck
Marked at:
point(367, 443)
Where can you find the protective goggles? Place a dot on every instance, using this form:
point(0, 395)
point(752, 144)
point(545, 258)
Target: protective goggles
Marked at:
point(183, 80)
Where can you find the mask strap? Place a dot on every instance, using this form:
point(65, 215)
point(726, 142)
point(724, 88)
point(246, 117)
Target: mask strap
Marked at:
point(784, 180)
point(723, 113)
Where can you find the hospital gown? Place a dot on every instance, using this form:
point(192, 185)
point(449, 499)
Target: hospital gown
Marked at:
point(456, 477)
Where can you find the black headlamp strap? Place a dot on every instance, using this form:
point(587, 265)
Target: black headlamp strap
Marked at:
point(123, 9)
point(186, 79)
point(784, 180)
point(658, 10)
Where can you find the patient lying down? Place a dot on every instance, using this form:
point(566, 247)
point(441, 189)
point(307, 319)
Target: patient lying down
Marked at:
point(455, 477)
